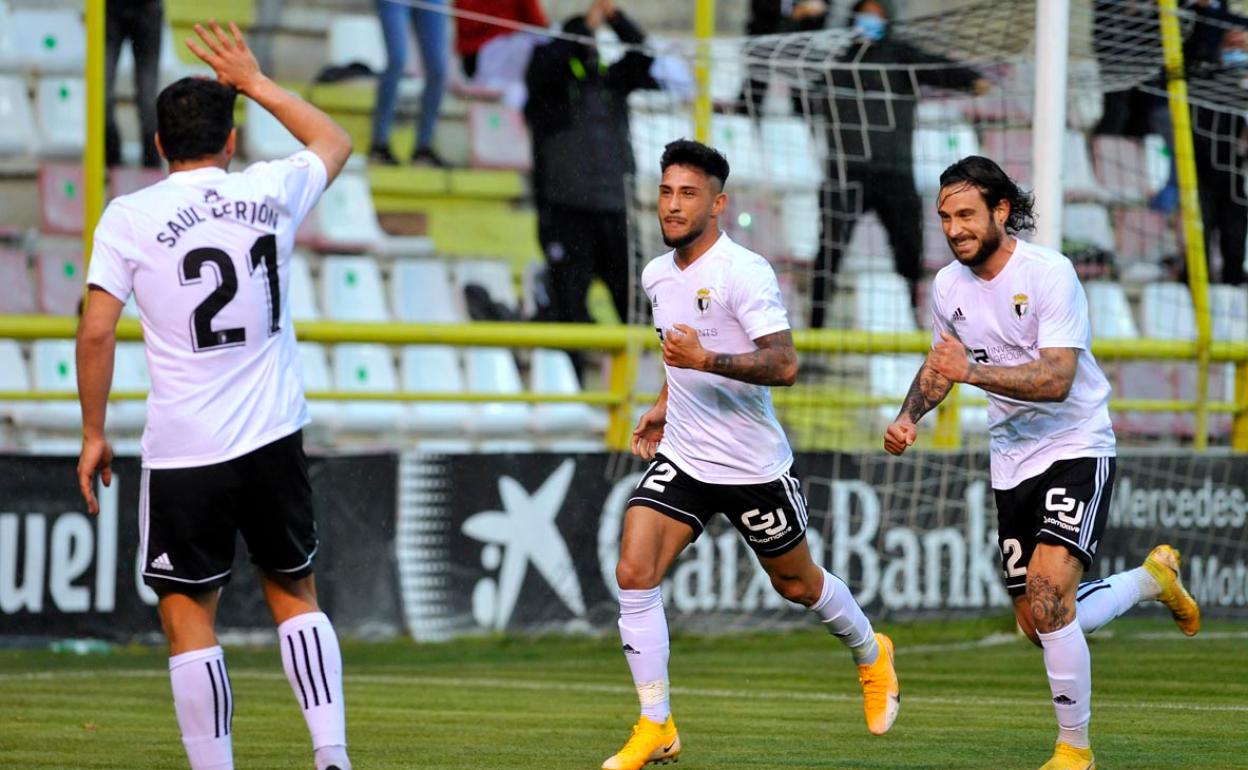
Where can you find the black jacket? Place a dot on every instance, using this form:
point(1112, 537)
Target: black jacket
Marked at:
point(577, 114)
point(870, 118)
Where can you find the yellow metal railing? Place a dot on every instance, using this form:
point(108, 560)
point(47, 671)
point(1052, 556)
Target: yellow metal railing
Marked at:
point(624, 344)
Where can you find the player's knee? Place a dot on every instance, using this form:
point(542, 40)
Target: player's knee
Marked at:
point(1049, 608)
point(795, 589)
point(634, 576)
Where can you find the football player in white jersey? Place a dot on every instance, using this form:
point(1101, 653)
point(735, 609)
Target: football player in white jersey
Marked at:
point(716, 446)
point(1011, 317)
point(206, 254)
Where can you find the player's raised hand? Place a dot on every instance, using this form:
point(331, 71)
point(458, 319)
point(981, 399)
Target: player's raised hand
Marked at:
point(900, 435)
point(649, 432)
point(949, 358)
point(96, 457)
point(682, 348)
point(227, 54)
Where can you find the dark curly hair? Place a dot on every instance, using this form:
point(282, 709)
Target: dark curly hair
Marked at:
point(995, 185)
point(194, 117)
point(686, 152)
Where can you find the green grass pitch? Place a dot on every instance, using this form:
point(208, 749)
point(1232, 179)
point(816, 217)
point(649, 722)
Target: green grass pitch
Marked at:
point(971, 698)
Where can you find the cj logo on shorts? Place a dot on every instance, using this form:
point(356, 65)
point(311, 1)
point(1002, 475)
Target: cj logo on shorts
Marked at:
point(772, 523)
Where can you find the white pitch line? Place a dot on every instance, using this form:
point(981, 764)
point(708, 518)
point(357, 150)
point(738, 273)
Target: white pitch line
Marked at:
point(486, 683)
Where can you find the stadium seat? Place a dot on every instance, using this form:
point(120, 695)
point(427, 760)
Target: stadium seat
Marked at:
point(420, 292)
point(60, 198)
point(50, 41)
point(345, 219)
point(434, 369)
point(129, 374)
point(889, 375)
point(737, 137)
point(10, 56)
point(1011, 148)
point(17, 121)
point(61, 112)
point(727, 71)
point(356, 38)
point(17, 291)
point(13, 376)
point(800, 218)
point(493, 370)
point(868, 249)
point(651, 131)
point(367, 368)
point(1078, 181)
point(936, 148)
point(552, 371)
point(1109, 311)
point(53, 369)
point(1158, 161)
point(314, 365)
point(753, 220)
point(790, 156)
point(59, 276)
point(266, 138)
point(1142, 235)
point(302, 290)
point(1229, 307)
point(1088, 223)
point(1084, 97)
point(1166, 312)
point(352, 289)
point(490, 274)
point(1120, 167)
point(123, 180)
point(498, 137)
point(881, 303)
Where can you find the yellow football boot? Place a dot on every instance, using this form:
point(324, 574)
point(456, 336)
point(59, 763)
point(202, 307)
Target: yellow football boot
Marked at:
point(1067, 757)
point(1163, 564)
point(881, 693)
point(651, 744)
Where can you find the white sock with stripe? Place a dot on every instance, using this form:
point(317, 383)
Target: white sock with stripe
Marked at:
point(643, 631)
point(1069, 665)
point(204, 704)
point(313, 664)
point(845, 620)
point(1100, 601)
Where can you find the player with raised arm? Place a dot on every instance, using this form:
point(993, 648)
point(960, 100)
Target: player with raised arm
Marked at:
point(716, 446)
point(206, 254)
point(1011, 317)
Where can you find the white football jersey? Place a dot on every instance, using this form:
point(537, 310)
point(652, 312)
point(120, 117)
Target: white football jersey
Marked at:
point(207, 255)
point(720, 430)
point(1035, 302)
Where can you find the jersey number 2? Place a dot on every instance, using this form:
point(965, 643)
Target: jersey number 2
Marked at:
point(263, 252)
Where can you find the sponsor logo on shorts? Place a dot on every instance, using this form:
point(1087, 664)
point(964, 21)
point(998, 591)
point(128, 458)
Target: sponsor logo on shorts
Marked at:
point(774, 524)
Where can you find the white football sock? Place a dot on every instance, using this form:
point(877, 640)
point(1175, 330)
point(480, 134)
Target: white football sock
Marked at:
point(1100, 601)
point(643, 630)
point(204, 704)
point(313, 664)
point(839, 611)
point(1069, 666)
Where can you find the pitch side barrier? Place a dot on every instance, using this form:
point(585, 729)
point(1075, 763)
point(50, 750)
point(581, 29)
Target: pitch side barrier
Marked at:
point(439, 546)
point(624, 344)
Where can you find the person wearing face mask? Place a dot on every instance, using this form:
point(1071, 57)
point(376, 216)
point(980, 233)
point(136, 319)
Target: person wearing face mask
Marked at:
point(577, 113)
point(870, 114)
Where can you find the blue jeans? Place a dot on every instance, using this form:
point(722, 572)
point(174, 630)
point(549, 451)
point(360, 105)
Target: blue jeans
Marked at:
point(431, 33)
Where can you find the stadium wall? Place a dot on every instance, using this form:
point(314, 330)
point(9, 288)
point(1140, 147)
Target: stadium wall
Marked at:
point(442, 546)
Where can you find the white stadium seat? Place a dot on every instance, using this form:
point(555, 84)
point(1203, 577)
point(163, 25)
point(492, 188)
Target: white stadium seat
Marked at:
point(61, 111)
point(800, 220)
point(1229, 308)
point(737, 137)
point(352, 289)
point(302, 290)
point(551, 371)
point(13, 375)
point(356, 38)
point(881, 303)
point(421, 292)
point(1166, 312)
point(493, 370)
point(53, 369)
point(1088, 223)
point(17, 291)
point(17, 121)
point(791, 156)
point(345, 218)
point(434, 369)
point(367, 368)
point(50, 41)
point(1109, 311)
point(935, 149)
point(499, 137)
point(265, 136)
point(314, 366)
point(493, 275)
point(129, 374)
point(10, 56)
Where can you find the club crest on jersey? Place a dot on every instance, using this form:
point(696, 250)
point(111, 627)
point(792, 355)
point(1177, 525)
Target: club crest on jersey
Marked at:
point(703, 300)
point(1020, 305)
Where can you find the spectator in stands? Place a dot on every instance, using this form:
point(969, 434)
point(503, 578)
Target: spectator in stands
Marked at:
point(773, 17)
point(140, 22)
point(431, 30)
point(472, 34)
point(869, 135)
point(577, 112)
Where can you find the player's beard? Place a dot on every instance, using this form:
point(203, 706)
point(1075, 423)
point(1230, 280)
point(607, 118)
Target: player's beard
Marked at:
point(682, 241)
point(988, 245)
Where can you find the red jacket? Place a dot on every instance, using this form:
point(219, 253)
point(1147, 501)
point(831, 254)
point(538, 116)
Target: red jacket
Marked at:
point(470, 35)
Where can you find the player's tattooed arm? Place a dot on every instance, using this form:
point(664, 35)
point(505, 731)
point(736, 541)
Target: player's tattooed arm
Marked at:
point(773, 363)
point(926, 392)
point(1048, 378)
